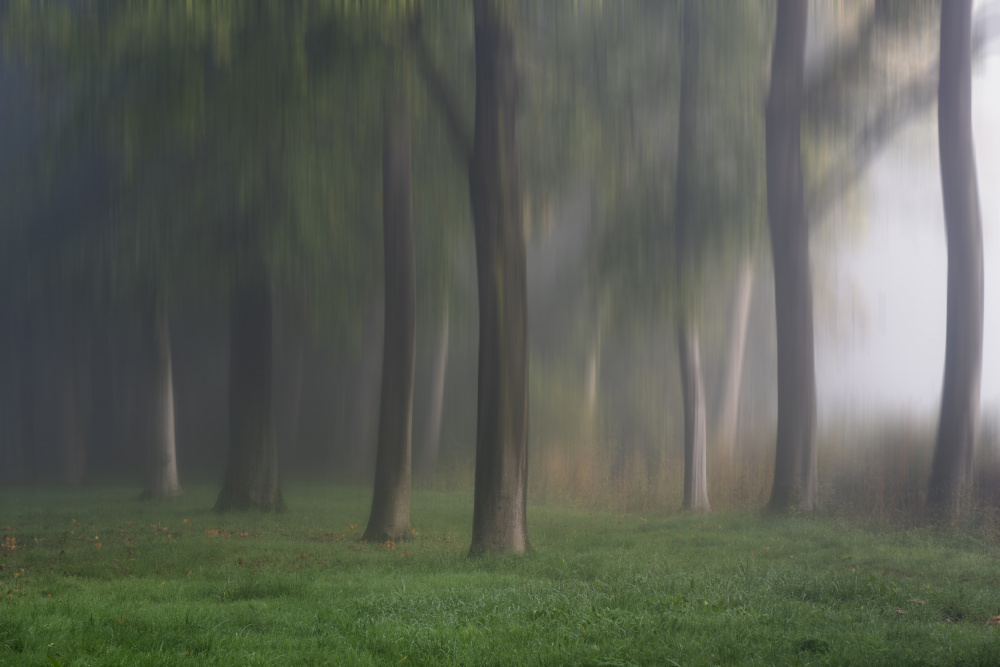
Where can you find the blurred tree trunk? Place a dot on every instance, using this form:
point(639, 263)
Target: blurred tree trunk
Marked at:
point(70, 378)
point(161, 464)
point(795, 456)
point(102, 407)
point(727, 419)
point(12, 386)
point(390, 511)
point(288, 379)
point(251, 481)
point(439, 370)
point(367, 392)
point(692, 387)
point(951, 471)
point(499, 521)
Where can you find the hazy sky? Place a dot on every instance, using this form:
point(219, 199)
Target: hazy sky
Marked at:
point(892, 356)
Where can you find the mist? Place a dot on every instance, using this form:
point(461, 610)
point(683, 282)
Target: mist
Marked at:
point(207, 242)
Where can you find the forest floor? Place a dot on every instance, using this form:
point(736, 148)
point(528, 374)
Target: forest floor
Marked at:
point(94, 577)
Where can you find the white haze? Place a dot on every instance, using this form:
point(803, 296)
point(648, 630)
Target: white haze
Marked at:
point(892, 358)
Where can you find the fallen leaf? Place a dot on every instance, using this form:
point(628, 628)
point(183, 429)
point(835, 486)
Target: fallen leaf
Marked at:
point(899, 611)
point(915, 600)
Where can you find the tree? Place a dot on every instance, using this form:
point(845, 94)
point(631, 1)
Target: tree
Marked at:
point(499, 523)
point(692, 386)
point(794, 483)
point(161, 471)
point(951, 471)
point(390, 511)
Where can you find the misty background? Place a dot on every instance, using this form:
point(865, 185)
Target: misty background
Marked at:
point(161, 159)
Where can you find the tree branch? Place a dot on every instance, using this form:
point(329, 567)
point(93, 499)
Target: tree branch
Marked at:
point(458, 131)
point(828, 81)
point(913, 99)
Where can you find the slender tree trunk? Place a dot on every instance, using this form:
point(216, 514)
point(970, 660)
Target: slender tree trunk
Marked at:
point(161, 466)
point(390, 512)
point(795, 455)
point(12, 445)
point(951, 472)
point(593, 374)
point(288, 382)
point(499, 523)
point(695, 438)
point(251, 481)
point(69, 376)
point(102, 413)
point(692, 386)
point(728, 417)
point(367, 395)
point(435, 408)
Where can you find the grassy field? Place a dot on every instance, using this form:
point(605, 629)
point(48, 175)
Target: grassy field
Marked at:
point(94, 577)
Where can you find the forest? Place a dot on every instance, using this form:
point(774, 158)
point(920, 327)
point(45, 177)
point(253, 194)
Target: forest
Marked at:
point(375, 262)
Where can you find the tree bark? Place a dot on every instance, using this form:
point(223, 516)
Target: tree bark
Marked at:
point(951, 471)
point(692, 387)
point(439, 370)
point(161, 467)
point(795, 455)
point(251, 481)
point(12, 419)
point(499, 523)
point(367, 394)
point(390, 511)
point(695, 439)
point(728, 416)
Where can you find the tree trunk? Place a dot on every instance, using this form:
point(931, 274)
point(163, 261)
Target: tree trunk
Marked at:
point(728, 416)
point(692, 387)
point(71, 379)
point(390, 512)
point(252, 467)
point(161, 466)
point(695, 438)
point(951, 471)
point(12, 419)
point(288, 382)
point(499, 523)
point(795, 454)
point(439, 370)
point(592, 375)
point(102, 395)
point(366, 397)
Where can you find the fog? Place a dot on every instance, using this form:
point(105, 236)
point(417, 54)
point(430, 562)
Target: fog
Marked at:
point(891, 275)
point(252, 244)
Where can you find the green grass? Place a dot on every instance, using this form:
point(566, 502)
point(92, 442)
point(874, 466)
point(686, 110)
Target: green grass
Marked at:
point(100, 578)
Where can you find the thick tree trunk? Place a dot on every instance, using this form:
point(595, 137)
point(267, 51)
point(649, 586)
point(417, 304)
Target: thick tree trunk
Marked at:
point(252, 467)
point(795, 455)
point(692, 386)
point(390, 512)
point(951, 472)
point(439, 370)
point(499, 523)
point(727, 419)
point(161, 466)
point(366, 398)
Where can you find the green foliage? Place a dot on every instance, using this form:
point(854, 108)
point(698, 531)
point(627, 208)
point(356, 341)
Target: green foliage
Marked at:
point(636, 255)
point(98, 578)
